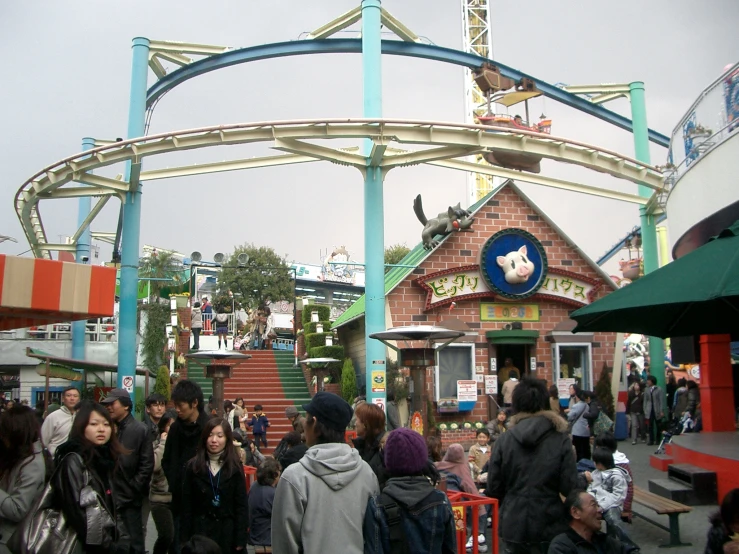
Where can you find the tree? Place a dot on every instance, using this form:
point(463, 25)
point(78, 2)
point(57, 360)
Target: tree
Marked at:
point(266, 277)
point(162, 385)
point(348, 381)
point(394, 254)
point(160, 265)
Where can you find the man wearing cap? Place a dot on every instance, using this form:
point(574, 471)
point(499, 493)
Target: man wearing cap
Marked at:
point(320, 501)
point(298, 421)
point(131, 480)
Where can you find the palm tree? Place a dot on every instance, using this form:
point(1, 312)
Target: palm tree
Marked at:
point(160, 265)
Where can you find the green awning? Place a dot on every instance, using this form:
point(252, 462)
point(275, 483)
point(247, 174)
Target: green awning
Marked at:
point(513, 336)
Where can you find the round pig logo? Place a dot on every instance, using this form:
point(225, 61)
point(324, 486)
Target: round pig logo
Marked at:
point(513, 263)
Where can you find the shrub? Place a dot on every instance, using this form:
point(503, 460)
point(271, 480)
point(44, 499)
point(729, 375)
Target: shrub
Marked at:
point(313, 340)
point(162, 384)
point(310, 327)
point(324, 312)
point(334, 368)
point(348, 381)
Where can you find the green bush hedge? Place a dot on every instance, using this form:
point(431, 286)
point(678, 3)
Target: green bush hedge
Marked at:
point(313, 340)
point(310, 327)
point(324, 312)
point(336, 352)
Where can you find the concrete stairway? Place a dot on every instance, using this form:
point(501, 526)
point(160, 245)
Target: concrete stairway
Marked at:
point(687, 484)
point(269, 378)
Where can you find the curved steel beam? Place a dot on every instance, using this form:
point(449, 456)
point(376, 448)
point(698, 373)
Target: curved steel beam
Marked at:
point(287, 134)
point(393, 48)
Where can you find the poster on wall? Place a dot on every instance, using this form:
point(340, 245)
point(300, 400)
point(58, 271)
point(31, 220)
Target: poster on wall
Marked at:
point(563, 386)
point(467, 390)
point(491, 384)
point(378, 380)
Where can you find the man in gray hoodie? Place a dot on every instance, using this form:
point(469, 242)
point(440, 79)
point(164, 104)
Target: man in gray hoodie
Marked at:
point(320, 501)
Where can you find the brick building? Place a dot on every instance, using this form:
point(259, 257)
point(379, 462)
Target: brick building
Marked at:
point(450, 287)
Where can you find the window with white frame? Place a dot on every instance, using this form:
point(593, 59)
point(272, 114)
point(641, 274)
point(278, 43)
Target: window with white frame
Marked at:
point(455, 362)
point(574, 364)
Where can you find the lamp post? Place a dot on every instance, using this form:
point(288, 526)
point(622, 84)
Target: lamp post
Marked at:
point(418, 360)
point(219, 372)
point(322, 364)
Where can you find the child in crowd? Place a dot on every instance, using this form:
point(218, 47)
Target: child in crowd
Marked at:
point(607, 440)
point(261, 498)
point(258, 425)
point(498, 426)
point(609, 485)
point(479, 452)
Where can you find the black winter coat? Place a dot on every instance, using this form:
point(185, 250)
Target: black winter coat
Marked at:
point(570, 542)
point(371, 454)
point(531, 465)
point(69, 480)
point(226, 523)
point(132, 480)
point(717, 535)
point(182, 443)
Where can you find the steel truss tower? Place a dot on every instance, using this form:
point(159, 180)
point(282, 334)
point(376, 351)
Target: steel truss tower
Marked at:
point(477, 38)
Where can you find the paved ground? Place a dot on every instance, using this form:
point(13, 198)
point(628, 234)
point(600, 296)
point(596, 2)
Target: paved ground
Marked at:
point(693, 525)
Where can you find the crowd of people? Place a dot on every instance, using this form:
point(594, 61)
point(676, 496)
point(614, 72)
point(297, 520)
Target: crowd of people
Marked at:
point(107, 473)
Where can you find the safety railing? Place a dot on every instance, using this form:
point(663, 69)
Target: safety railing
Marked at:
point(711, 120)
point(99, 330)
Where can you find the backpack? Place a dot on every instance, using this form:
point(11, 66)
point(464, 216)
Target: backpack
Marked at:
point(398, 542)
point(602, 424)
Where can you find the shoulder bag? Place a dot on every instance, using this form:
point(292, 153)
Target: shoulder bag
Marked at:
point(45, 529)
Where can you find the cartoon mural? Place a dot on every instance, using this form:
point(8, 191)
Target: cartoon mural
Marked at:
point(336, 267)
point(516, 267)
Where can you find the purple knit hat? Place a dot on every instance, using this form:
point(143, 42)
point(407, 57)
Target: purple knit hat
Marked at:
point(405, 452)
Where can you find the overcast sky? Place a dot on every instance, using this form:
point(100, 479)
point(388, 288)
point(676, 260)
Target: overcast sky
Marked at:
point(66, 75)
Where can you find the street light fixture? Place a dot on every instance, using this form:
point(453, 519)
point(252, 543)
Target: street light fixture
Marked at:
point(218, 372)
point(417, 360)
point(322, 365)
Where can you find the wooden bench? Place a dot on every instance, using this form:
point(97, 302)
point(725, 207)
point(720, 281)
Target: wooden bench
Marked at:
point(662, 506)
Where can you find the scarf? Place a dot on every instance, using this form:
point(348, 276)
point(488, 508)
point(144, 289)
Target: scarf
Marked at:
point(454, 462)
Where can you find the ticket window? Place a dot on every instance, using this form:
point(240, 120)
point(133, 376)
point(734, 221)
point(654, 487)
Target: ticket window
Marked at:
point(574, 364)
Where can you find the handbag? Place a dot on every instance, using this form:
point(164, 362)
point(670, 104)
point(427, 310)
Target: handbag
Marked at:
point(45, 530)
point(602, 424)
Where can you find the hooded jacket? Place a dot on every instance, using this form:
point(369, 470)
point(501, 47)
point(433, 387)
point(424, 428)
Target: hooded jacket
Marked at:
point(196, 318)
point(320, 502)
point(609, 487)
point(531, 465)
point(426, 518)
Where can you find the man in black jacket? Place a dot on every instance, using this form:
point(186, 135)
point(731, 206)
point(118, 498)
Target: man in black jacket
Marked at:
point(531, 465)
point(131, 481)
point(584, 536)
point(182, 442)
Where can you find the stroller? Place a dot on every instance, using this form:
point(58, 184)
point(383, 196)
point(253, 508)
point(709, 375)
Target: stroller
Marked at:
point(677, 426)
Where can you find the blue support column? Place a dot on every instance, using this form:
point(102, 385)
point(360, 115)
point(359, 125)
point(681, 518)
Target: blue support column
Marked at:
point(648, 221)
point(132, 224)
point(83, 250)
point(374, 224)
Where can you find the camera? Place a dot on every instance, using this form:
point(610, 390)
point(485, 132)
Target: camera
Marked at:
point(85, 259)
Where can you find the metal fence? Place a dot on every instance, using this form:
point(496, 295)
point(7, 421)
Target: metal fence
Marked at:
point(99, 330)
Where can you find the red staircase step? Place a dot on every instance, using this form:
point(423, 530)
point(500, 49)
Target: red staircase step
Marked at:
point(660, 461)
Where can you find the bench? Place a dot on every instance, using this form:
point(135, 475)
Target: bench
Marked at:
point(662, 506)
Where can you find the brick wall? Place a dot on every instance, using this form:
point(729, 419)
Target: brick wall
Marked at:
point(465, 437)
point(507, 209)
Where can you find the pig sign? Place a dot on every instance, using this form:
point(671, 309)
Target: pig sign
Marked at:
point(513, 263)
point(516, 267)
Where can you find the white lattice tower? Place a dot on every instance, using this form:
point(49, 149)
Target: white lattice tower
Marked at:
point(477, 38)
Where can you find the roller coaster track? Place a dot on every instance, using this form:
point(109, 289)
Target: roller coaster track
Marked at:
point(445, 141)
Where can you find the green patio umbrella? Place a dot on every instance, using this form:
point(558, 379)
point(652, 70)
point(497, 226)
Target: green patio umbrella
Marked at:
point(697, 294)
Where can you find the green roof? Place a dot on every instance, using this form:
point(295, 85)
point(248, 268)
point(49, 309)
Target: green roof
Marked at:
point(396, 275)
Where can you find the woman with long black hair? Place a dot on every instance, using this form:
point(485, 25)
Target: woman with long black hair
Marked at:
point(22, 468)
point(214, 500)
point(83, 481)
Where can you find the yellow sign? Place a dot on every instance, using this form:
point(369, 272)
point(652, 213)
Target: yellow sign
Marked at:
point(459, 522)
point(507, 311)
point(378, 381)
point(417, 423)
